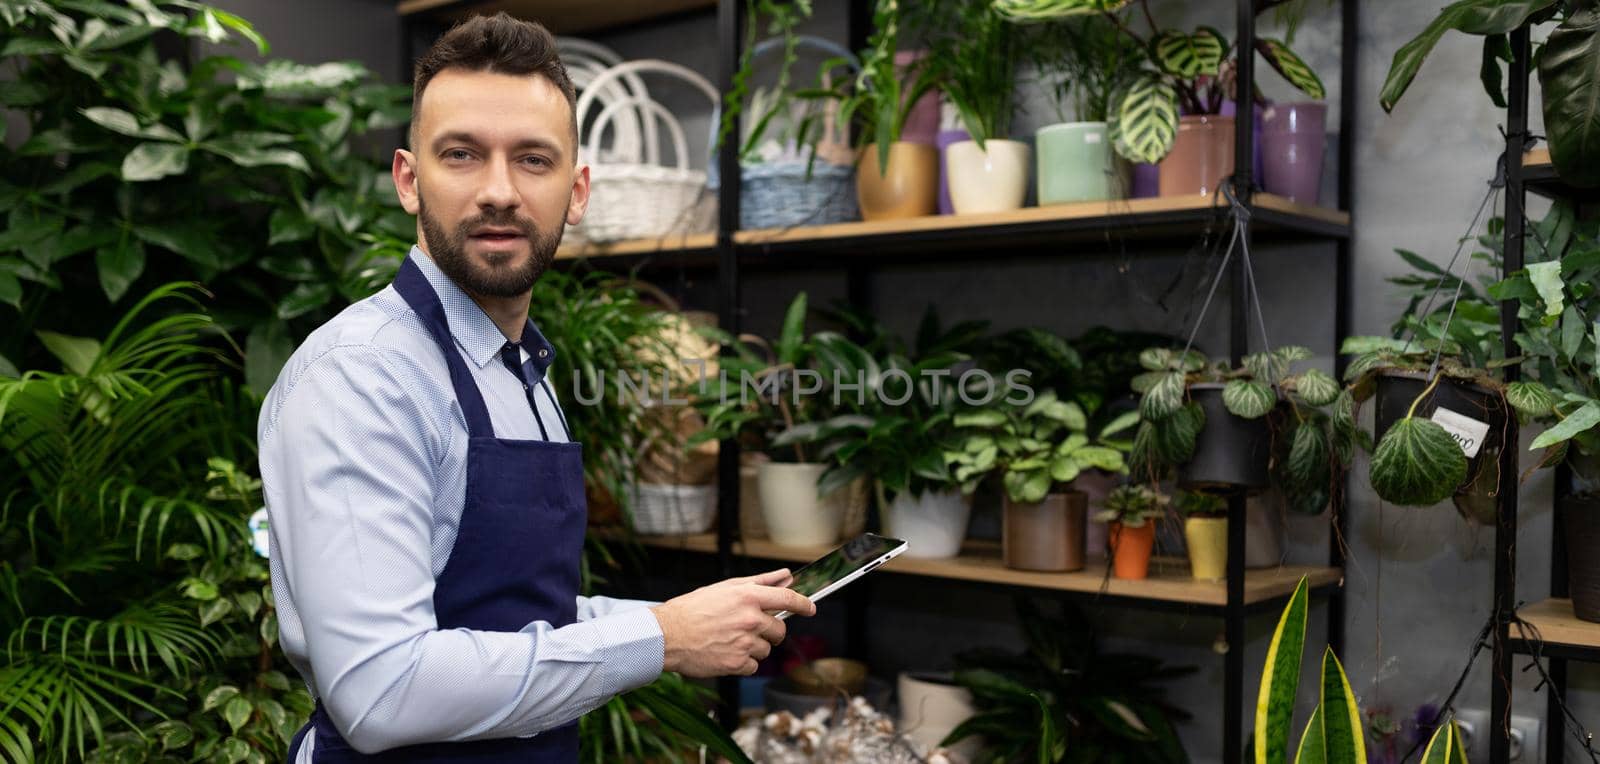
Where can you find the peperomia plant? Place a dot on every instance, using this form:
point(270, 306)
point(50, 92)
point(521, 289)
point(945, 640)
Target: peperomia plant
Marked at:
point(1039, 445)
point(1191, 71)
point(1131, 506)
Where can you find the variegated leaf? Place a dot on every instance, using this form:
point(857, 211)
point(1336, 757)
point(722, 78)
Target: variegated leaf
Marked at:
point(1044, 10)
point(1417, 464)
point(1247, 399)
point(1291, 67)
point(1145, 119)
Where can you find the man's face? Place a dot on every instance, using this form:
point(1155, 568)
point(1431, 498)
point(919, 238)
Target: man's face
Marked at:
point(492, 178)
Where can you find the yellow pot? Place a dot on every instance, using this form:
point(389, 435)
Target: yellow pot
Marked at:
point(1208, 547)
point(907, 188)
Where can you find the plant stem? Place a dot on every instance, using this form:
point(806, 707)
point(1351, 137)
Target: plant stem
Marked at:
point(1149, 18)
point(1425, 393)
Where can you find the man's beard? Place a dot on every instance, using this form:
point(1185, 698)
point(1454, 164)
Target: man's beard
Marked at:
point(449, 251)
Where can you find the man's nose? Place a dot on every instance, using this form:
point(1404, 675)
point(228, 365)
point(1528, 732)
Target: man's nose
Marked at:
point(498, 190)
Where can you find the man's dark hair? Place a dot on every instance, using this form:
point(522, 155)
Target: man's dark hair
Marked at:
point(499, 44)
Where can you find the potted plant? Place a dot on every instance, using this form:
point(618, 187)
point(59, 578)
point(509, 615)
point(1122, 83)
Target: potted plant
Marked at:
point(1038, 449)
point(1064, 699)
point(973, 58)
point(1131, 512)
point(763, 396)
point(1567, 60)
point(903, 434)
point(1189, 73)
point(1205, 529)
point(894, 178)
point(1076, 162)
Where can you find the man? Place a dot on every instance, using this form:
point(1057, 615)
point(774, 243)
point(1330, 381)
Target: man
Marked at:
point(426, 496)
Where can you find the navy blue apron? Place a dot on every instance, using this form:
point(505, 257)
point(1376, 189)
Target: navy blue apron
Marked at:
point(515, 558)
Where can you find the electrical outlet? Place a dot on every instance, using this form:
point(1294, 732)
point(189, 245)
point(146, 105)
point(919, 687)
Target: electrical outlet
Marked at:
point(1526, 745)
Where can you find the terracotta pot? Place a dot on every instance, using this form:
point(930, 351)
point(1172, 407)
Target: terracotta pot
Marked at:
point(1131, 548)
point(1208, 547)
point(907, 188)
point(993, 178)
point(1581, 515)
point(1201, 158)
point(1045, 535)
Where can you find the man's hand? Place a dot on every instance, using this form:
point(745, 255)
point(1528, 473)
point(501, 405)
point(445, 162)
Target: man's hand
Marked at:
point(725, 628)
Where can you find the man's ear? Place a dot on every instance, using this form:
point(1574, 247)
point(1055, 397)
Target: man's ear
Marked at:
point(404, 172)
point(579, 203)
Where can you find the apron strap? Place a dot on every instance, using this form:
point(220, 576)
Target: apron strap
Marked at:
point(419, 294)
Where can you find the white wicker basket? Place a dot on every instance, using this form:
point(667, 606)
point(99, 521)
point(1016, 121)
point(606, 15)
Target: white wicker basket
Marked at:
point(670, 510)
point(644, 199)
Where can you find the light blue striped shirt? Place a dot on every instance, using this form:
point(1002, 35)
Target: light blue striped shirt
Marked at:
point(363, 463)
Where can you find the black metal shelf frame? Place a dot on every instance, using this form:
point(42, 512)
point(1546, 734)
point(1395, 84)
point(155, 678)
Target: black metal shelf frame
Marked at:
point(731, 257)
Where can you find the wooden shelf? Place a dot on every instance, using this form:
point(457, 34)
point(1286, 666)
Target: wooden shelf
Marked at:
point(567, 17)
point(1557, 627)
point(1170, 581)
point(1031, 230)
point(1539, 176)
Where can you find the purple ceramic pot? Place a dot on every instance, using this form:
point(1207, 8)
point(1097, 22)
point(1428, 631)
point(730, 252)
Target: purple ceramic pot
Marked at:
point(1293, 138)
point(1146, 181)
point(945, 138)
point(922, 123)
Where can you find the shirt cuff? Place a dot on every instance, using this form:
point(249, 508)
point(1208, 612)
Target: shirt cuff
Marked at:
point(634, 646)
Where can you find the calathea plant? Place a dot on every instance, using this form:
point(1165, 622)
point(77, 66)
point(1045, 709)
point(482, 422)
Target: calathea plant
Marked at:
point(1184, 70)
point(1568, 62)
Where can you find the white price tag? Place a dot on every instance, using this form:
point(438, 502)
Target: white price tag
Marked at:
point(1468, 432)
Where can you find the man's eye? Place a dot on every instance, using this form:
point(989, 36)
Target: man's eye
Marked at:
point(457, 154)
point(538, 161)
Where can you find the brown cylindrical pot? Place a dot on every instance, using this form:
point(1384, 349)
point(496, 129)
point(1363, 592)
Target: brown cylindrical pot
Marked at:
point(1201, 158)
point(907, 188)
point(1045, 535)
point(1581, 515)
point(1131, 549)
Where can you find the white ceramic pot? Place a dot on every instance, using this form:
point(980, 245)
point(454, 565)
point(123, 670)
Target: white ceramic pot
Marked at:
point(794, 513)
point(931, 706)
point(991, 179)
point(932, 525)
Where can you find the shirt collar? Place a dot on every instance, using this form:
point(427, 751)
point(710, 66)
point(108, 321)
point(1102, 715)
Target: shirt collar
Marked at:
point(477, 334)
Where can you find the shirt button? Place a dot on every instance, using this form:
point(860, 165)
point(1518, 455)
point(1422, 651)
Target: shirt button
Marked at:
point(543, 352)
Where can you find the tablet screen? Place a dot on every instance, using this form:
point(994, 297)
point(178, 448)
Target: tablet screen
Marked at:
point(856, 553)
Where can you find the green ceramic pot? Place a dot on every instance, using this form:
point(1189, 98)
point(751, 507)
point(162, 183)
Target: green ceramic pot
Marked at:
point(1077, 164)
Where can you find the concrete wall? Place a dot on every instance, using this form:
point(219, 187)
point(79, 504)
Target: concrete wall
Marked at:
point(1418, 582)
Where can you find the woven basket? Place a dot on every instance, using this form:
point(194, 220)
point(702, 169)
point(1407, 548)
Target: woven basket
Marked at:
point(642, 199)
point(779, 193)
point(672, 510)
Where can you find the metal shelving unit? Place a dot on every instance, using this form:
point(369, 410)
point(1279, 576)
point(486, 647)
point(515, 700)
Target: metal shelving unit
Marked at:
point(1563, 637)
point(859, 248)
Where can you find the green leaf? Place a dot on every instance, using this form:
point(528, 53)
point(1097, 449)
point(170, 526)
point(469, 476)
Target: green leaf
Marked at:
point(153, 161)
point(792, 337)
point(1291, 67)
point(1531, 399)
point(184, 552)
point(77, 354)
point(1546, 279)
point(214, 611)
point(1444, 747)
point(199, 589)
point(1343, 733)
point(1248, 399)
point(246, 154)
point(275, 679)
point(238, 711)
point(289, 225)
point(119, 266)
point(1496, 48)
point(8, 369)
point(1176, 435)
point(219, 696)
point(1164, 398)
point(1478, 17)
point(1185, 55)
point(1144, 120)
point(1317, 387)
point(1417, 464)
point(173, 734)
point(1569, 73)
point(1312, 747)
point(303, 299)
point(234, 750)
point(1580, 421)
point(123, 122)
point(1280, 680)
point(1046, 10)
point(10, 290)
point(266, 350)
point(1308, 456)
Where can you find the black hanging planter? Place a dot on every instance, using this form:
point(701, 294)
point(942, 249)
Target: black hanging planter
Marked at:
point(1581, 514)
point(1231, 452)
point(1396, 391)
